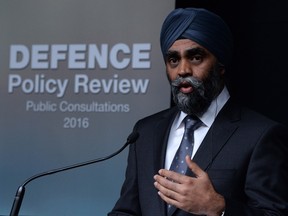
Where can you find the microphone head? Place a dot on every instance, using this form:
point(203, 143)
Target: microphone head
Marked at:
point(132, 137)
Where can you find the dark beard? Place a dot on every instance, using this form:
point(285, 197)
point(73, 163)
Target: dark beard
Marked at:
point(204, 92)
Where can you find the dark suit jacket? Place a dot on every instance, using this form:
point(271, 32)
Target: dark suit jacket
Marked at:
point(244, 153)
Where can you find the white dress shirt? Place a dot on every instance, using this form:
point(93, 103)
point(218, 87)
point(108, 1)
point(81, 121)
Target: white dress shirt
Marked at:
point(207, 119)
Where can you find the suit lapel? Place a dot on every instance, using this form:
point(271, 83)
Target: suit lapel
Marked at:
point(213, 143)
point(161, 135)
point(218, 135)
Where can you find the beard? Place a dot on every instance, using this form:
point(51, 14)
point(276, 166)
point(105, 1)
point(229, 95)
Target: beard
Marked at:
point(198, 101)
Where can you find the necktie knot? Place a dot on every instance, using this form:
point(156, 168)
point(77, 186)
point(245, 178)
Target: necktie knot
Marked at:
point(191, 122)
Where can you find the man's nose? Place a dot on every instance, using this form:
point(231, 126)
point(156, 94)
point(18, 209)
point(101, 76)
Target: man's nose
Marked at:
point(185, 69)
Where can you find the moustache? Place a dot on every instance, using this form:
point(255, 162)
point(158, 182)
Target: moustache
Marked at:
point(187, 80)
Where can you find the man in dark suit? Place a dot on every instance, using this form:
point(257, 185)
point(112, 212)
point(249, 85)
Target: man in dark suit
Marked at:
point(238, 164)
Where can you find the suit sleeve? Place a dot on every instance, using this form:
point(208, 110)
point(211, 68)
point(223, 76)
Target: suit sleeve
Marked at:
point(267, 176)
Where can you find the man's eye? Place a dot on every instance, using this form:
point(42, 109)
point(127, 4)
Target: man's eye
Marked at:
point(172, 61)
point(196, 58)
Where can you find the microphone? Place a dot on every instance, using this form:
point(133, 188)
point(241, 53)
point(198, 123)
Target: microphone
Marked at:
point(21, 189)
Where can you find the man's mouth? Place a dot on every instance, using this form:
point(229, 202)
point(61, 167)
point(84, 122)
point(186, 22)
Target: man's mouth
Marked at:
point(185, 87)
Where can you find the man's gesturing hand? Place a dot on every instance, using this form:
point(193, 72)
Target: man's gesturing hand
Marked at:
point(192, 194)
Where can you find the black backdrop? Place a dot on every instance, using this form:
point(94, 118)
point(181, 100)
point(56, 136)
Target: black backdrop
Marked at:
point(258, 76)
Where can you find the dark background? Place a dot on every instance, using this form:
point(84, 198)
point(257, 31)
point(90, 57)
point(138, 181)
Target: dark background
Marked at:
point(258, 75)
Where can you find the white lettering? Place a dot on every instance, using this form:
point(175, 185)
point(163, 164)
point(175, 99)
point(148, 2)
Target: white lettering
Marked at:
point(80, 56)
point(115, 52)
point(57, 53)
point(141, 56)
point(40, 84)
point(77, 56)
point(14, 81)
point(94, 54)
point(39, 57)
point(115, 85)
point(19, 57)
point(41, 106)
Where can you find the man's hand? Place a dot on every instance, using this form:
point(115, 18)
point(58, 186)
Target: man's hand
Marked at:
point(192, 194)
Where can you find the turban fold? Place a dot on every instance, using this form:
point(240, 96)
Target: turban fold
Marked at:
point(200, 25)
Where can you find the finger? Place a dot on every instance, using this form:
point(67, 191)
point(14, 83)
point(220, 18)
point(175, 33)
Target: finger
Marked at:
point(172, 176)
point(167, 186)
point(194, 167)
point(163, 186)
point(163, 183)
point(168, 200)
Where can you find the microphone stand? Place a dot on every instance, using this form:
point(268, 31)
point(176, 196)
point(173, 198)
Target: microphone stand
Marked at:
point(21, 189)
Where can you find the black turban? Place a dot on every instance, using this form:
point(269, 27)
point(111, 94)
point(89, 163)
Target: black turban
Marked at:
point(201, 26)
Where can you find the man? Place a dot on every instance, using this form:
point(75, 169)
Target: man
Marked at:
point(238, 164)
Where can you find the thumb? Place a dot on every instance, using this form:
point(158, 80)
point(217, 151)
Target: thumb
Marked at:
point(194, 167)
